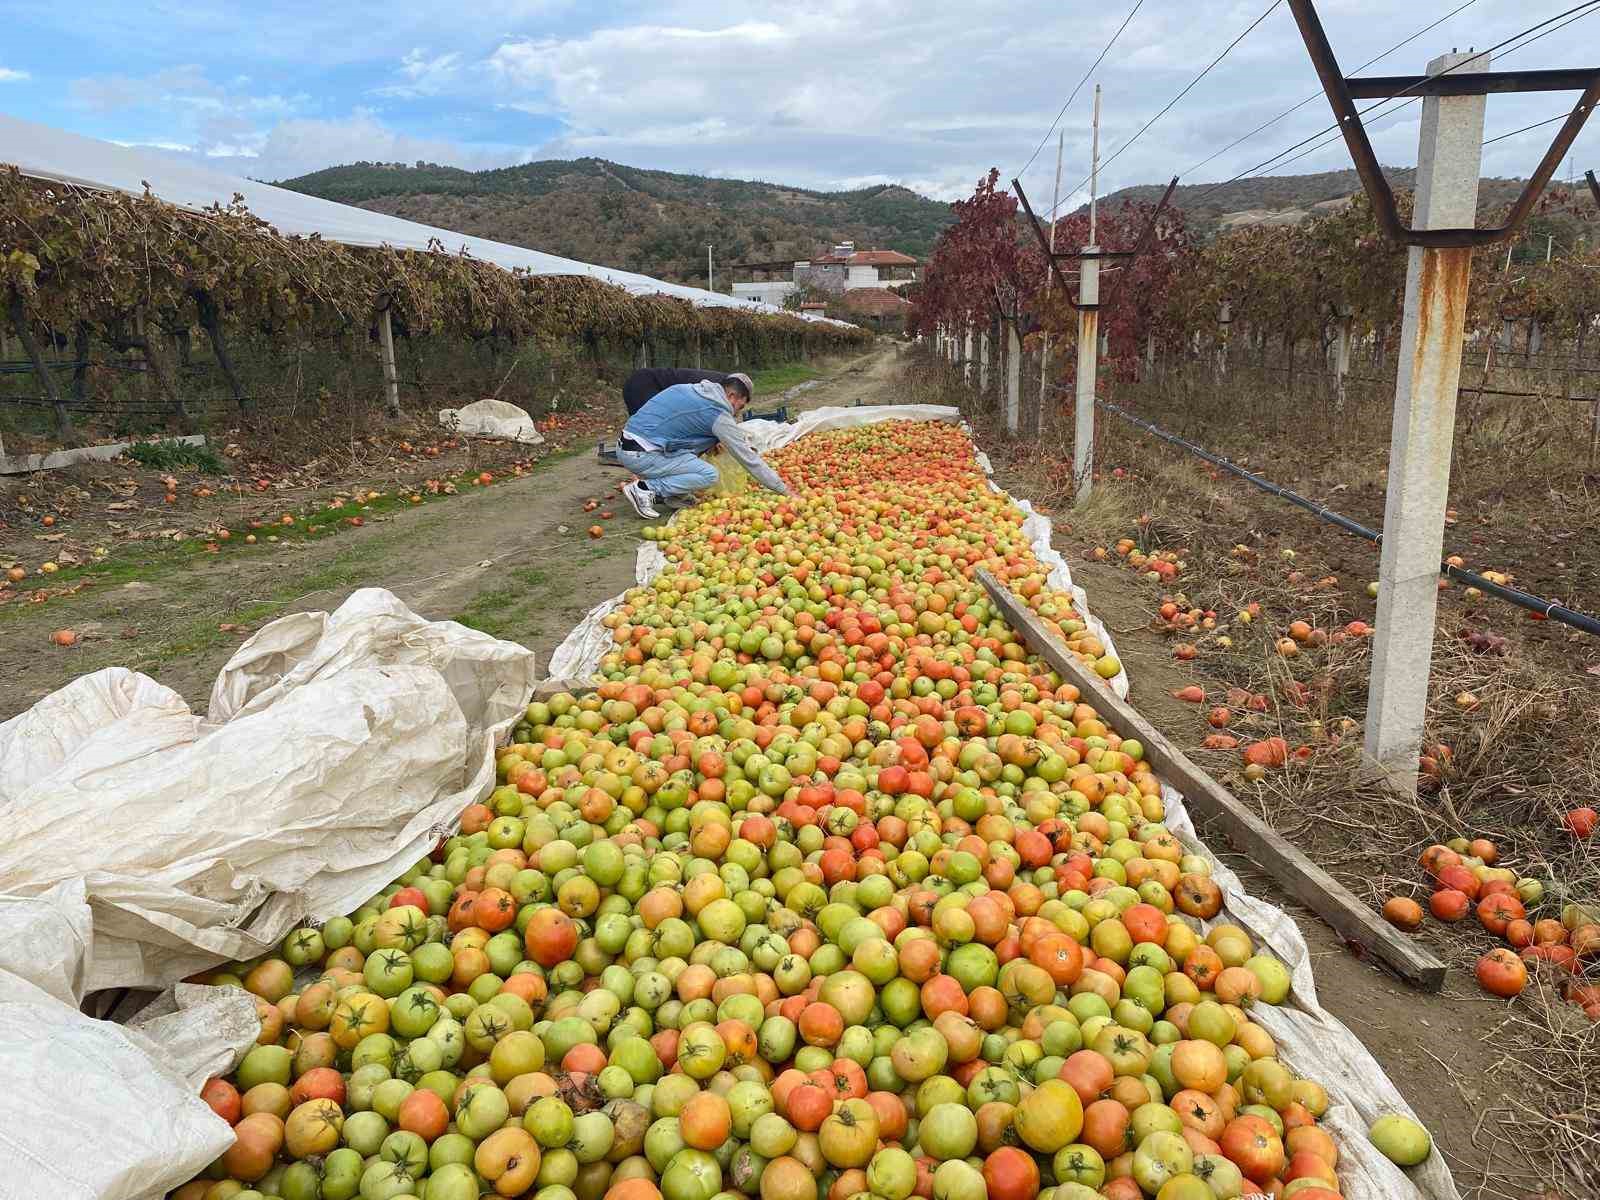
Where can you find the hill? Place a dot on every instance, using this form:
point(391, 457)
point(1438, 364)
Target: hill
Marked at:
point(656, 222)
point(1289, 199)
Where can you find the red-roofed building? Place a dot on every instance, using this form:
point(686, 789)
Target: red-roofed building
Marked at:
point(882, 307)
point(842, 269)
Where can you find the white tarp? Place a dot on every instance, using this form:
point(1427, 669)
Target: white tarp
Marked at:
point(93, 1110)
point(338, 749)
point(46, 153)
point(492, 418)
point(579, 655)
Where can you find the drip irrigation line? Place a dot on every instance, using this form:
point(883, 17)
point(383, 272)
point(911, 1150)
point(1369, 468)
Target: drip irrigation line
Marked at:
point(1549, 609)
point(1248, 29)
point(1074, 94)
point(1576, 13)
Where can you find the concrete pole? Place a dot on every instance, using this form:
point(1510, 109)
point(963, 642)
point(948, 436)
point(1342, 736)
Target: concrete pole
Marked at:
point(1341, 359)
point(1224, 326)
point(966, 359)
point(1013, 378)
point(1049, 281)
point(391, 379)
point(1449, 159)
point(1088, 353)
point(983, 362)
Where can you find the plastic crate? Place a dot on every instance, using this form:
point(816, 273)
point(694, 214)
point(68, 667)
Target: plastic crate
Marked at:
point(781, 413)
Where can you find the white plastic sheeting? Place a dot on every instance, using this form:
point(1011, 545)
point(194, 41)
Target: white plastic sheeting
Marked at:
point(337, 750)
point(46, 153)
point(490, 418)
point(93, 1110)
point(579, 654)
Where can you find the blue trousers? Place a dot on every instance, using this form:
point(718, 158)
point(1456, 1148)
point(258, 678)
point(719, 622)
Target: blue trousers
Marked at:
point(670, 476)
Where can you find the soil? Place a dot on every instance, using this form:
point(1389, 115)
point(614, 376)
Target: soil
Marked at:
point(514, 558)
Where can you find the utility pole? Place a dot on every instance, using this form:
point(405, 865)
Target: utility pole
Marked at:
point(1088, 332)
point(1449, 158)
point(711, 279)
point(1049, 280)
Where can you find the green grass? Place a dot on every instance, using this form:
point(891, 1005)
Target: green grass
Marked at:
point(146, 560)
point(503, 611)
point(171, 455)
point(771, 380)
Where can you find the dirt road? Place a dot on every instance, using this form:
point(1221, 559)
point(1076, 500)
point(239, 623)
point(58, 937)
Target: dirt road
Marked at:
point(515, 560)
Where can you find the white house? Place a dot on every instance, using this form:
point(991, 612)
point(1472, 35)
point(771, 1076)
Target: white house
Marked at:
point(841, 270)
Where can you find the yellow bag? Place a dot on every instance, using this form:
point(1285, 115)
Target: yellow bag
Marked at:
point(732, 479)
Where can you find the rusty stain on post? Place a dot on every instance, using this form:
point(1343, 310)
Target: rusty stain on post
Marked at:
point(1088, 350)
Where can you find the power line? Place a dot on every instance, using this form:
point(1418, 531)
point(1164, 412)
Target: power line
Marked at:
point(1278, 159)
point(1132, 12)
point(1314, 95)
point(1170, 103)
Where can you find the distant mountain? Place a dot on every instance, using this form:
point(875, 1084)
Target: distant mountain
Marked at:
point(1289, 199)
point(656, 222)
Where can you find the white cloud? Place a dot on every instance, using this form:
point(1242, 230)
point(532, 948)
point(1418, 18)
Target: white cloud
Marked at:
point(424, 76)
point(304, 144)
point(11, 75)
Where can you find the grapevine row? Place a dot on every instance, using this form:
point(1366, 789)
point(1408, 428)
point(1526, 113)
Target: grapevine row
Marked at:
point(118, 268)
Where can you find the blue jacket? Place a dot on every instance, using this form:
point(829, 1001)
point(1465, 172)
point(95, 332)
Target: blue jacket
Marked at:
point(680, 418)
point(694, 417)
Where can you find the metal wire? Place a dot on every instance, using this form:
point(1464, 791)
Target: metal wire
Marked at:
point(1315, 95)
point(1248, 29)
point(1278, 159)
point(1074, 95)
point(1550, 609)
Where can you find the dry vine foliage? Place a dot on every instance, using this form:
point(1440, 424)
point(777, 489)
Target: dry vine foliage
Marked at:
point(119, 268)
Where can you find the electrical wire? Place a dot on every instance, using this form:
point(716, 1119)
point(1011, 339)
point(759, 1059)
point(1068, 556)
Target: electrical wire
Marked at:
point(1248, 29)
point(1561, 116)
point(1279, 160)
point(1314, 95)
point(1079, 87)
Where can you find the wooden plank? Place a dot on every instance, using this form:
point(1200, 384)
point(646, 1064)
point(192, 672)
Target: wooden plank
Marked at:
point(22, 464)
point(1249, 834)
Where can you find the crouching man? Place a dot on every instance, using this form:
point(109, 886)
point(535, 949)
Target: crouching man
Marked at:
point(663, 441)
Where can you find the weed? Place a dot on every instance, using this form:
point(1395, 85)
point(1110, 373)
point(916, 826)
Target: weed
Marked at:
point(174, 455)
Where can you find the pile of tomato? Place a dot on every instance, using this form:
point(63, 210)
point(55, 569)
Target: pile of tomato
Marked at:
point(829, 888)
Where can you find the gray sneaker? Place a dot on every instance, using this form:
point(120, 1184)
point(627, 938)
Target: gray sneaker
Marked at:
point(643, 502)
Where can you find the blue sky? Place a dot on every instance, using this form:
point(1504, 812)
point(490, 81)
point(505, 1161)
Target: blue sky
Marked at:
point(818, 93)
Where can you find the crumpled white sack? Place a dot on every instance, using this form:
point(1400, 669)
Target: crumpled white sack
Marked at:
point(343, 751)
point(93, 1110)
point(492, 419)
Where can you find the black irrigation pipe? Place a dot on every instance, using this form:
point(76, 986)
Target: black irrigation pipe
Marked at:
point(1465, 389)
point(1544, 608)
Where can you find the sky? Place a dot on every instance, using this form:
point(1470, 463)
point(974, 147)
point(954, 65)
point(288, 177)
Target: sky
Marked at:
point(825, 94)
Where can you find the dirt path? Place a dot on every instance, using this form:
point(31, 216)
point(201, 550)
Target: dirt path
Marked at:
point(515, 560)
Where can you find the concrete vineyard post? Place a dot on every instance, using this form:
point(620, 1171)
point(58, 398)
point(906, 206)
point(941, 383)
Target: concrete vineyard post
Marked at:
point(983, 362)
point(1449, 158)
point(1013, 377)
point(1341, 358)
point(391, 380)
point(1088, 348)
point(966, 359)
